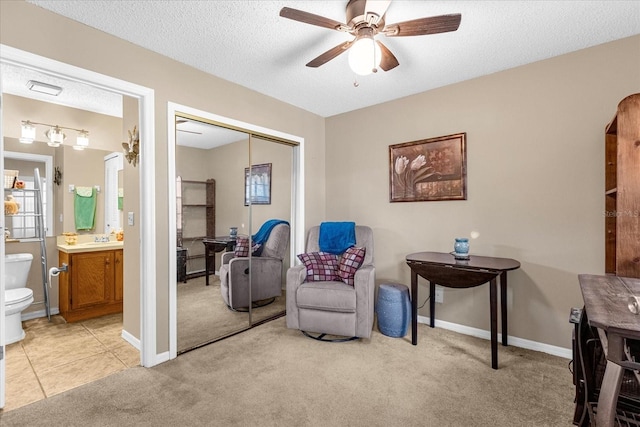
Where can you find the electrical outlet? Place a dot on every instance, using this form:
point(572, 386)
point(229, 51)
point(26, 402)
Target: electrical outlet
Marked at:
point(130, 218)
point(439, 294)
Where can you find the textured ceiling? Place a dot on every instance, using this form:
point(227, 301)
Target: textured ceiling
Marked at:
point(248, 43)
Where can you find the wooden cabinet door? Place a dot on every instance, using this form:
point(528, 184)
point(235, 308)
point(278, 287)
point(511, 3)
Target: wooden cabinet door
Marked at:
point(91, 279)
point(119, 274)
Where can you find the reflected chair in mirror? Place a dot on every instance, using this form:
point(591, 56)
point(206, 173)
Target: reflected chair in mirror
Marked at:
point(265, 275)
point(334, 307)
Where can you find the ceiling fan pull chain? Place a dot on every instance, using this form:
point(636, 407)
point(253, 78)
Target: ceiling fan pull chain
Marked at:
point(373, 57)
point(355, 81)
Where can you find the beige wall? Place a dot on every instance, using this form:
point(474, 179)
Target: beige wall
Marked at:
point(30, 28)
point(535, 152)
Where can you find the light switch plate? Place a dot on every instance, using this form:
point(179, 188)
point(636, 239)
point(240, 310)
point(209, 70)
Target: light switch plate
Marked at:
point(130, 218)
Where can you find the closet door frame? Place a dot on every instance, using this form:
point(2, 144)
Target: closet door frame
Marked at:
point(297, 190)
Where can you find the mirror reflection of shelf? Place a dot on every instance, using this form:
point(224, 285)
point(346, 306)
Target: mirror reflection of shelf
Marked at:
point(195, 216)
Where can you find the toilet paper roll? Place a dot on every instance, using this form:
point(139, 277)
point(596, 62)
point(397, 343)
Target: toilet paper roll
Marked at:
point(634, 304)
point(53, 271)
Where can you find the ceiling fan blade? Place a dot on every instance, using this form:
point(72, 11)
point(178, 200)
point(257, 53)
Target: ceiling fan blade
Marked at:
point(374, 10)
point(330, 54)
point(389, 61)
point(310, 18)
point(424, 26)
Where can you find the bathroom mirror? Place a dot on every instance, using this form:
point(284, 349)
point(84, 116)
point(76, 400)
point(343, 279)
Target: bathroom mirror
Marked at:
point(84, 168)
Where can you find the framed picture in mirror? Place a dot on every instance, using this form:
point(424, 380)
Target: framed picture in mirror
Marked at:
point(257, 185)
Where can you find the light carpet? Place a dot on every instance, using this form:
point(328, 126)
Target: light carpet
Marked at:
point(274, 376)
point(203, 316)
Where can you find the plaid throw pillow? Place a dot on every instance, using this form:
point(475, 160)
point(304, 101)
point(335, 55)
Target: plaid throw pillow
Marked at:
point(350, 262)
point(242, 246)
point(321, 266)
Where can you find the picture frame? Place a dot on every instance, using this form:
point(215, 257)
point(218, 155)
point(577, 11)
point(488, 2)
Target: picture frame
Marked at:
point(257, 185)
point(429, 169)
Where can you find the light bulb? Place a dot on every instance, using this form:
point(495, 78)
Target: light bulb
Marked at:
point(28, 133)
point(56, 137)
point(82, 140)
point(364, 56)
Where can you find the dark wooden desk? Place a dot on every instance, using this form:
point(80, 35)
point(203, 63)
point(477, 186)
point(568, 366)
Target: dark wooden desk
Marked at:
point(444, 270)
point(211, 246)
point(606, 301)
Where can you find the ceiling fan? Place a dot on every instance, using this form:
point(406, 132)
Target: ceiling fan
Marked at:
point(366, 19)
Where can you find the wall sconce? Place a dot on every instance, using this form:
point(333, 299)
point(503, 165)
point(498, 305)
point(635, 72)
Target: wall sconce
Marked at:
point(54, 135)
point(132, 148)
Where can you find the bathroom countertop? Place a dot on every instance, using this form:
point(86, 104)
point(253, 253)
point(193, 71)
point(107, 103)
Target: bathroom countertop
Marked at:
point(90, 247)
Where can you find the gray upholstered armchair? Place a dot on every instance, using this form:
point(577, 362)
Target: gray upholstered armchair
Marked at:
point(266, 272)
point(333, 307)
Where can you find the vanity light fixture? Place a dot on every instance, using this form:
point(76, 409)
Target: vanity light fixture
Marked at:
point(54, 135)
point(28, 133)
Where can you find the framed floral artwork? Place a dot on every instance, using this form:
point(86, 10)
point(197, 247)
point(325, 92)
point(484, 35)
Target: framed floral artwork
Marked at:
point(429, 169)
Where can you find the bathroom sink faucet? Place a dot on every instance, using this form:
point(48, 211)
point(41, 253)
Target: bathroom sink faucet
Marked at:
point(101, 239)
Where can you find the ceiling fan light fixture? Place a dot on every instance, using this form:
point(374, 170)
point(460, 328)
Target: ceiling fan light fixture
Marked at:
point(364, 55)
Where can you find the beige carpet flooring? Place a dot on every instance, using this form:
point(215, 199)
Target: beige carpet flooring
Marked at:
point(274, 376)
point(203, 316)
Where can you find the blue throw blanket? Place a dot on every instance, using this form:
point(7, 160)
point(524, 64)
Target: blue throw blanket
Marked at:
point(263, 234)
point(337, 237)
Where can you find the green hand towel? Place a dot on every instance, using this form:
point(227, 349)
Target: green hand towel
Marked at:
point(120, 198)
point(85, 208)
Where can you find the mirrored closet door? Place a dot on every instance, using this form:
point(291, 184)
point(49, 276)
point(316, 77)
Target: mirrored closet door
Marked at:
point(230, 185)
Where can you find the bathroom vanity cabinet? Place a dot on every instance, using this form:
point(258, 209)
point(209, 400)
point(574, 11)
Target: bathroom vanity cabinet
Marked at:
point(92, 286)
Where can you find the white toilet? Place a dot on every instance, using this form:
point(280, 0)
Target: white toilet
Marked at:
point(17, 296)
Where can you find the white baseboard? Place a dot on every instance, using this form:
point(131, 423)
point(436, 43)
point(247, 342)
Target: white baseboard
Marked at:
point(39, 313)
point(514, 341)
point(130, 339)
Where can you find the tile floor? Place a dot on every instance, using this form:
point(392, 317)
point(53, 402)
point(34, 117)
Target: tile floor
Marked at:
point(57, 356)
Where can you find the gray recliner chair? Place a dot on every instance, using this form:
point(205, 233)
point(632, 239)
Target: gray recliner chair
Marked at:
point(333, 307)
point(266, 272)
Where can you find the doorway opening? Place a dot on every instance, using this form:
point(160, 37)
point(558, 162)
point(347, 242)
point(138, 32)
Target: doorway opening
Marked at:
point(144, 336)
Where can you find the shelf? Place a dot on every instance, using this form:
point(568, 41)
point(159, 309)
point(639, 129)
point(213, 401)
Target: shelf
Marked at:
point(187, 181)
point(23, 215)
point(622, 170)
point(26, 190)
